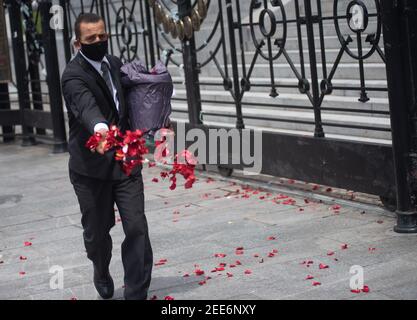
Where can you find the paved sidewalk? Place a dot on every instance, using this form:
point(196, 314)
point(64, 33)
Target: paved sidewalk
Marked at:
point(280, 235)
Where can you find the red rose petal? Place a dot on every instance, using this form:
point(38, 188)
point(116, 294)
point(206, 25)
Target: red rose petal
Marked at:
point(229, 275)
point(271, 238)
point(22, 273)
point(169, 298)
point(365, 289)
point(344, 246)
point(323, 266)
point(154, 298)
point(248, 271)
point(309, 277)
point(28, 244)
point(330, 253)
point(23, 258)
point(220, 255)
point(198, 272)
point(355, 291)
point(315, 283)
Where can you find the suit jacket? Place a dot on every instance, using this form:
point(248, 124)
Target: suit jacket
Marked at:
point(89, 101)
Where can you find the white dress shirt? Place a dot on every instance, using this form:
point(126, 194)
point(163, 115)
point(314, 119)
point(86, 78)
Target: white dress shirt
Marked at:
point(97, 66)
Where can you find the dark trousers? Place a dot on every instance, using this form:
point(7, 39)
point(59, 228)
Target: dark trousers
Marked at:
point(97, 198)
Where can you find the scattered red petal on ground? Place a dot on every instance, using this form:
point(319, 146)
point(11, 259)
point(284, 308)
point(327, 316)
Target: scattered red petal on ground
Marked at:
point(380, 221)
point(323, 266)
point(198, 272)
point(271, 238)
point(154, 298)
point(23, 258)
point(202, 282)
point(155, 180)
point(238, 263)
point(28, 244)
point(336, 207)
point(162, 261)
point(365, 289)
point(169, 298)
point(315, 283)
point(344, 246)
point(22, 273)
point(220, 255)
point(355, 291)
point(229, 275)
point(316, 187)
point(271, 254)
point(371, 249)
point(232, 266)
point(306, 201)
point(309, 277)
point(256, 255)
point(330, 253)
point(300, 209)
point(289, 202)
point(329, 190)
point(248, 271)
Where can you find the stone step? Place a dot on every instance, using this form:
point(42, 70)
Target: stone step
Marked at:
point(294, 55)
point(288, 100)
point(288, 131)
point(350, 71)
point(227, 115)
point(264, 85)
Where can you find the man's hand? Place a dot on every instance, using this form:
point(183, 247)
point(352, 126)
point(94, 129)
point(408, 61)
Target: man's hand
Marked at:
point(101, 148)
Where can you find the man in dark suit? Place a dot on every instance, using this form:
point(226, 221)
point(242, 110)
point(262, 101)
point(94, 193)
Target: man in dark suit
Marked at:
point(94, 99)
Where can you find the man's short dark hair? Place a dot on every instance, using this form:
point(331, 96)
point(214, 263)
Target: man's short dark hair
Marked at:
point(85, 18)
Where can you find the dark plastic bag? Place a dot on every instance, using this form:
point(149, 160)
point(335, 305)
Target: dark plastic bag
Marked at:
point(148, 95)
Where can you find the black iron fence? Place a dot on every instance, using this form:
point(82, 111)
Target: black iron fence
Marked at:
point(35, 87)
point(307, 73)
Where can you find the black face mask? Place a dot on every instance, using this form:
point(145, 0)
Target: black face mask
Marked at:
point(95, 51)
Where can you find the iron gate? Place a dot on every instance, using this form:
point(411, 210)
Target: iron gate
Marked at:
point(285, 66)
point(34, 90)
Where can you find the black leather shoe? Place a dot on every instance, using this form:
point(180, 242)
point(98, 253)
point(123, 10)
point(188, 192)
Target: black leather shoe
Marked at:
point(104, 285)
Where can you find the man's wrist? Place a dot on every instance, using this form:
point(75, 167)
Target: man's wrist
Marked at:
point(101, 126)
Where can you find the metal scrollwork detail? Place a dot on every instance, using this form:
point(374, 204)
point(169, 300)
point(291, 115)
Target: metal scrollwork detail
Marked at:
point(126, 28)
point(272, 25)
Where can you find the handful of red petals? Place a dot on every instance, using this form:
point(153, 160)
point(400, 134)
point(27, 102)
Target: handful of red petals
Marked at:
point(130, 150)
